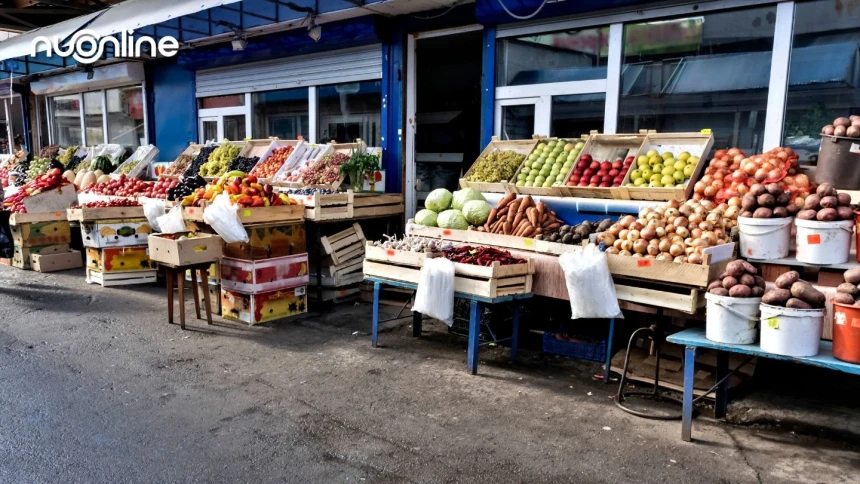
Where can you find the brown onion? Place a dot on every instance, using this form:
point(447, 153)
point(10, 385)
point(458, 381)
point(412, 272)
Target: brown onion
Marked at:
point(640, 246)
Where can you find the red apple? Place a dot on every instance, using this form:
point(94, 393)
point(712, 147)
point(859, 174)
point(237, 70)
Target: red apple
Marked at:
point(574, 178)
point(571, 183)
point(605, 184)
point(593, 185)
point(582, 183)
point(596, 179)
point(602, 172)
point(630, 159)
point(586, 158)
point(587, 173)
point(606, 166)
point(614, 172)
point(606, 179)
point(583, 164)
point(577, 172)
point(594, 165)
point(618, 179)
point(617, 164)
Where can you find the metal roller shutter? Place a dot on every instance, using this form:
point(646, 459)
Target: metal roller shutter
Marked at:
point(347, 65)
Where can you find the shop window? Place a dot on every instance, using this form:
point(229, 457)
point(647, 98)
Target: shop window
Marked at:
point(350, 111)
point(66, 116)
point(577, 114)
point(213, 102)
point(518, 122)
point(126, 117)
point(576, 55)
point(94, 117)
point(283, 114)
point(710, 71)
point(824, 79)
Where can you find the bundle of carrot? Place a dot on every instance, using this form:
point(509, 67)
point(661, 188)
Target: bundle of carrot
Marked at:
point(521, 217)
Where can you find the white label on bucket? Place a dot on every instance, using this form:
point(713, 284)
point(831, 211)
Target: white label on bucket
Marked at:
point(855, 148)
point(773, 323)
point(839, 318)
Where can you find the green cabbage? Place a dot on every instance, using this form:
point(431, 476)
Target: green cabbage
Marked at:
point(465, 195)
point(438, 200)
point(452, 219)
point(426, 217)
point(476, 212)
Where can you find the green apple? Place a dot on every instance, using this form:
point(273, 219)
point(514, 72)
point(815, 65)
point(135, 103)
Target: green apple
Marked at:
point(646, 173)
point(683, 156)
point(667, 155)
point(568, 147)
point(534, 172)
point(547, 184)
point(688, 170)
point(635, 174)
point(654, 160)
point(669, 170)
point(541, 146)
point(655, 184)
point(658, 168)
point(638, 182)
point(679, 176)
point(655, 178)
point(561, 177)
point(652, 153)
point(692, 160)
point(520, 183)
point(642, 161)
point(679, 165)
point(579, 145)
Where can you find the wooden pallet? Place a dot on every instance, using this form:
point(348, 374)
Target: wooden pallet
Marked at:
point(344, 245)
point(84, 214)
point(109, 279)
point(486, 281)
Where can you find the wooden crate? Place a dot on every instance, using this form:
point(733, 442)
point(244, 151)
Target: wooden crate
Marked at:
point(191, 150)
point(337, 294)
point(110, 279)
point(511, 185)
point(333, 206)
point(257, 147)
point(84, 214)
point(697, 144)
point(490, 282)
point(303, 155)
point(688, 275)
point(369, 205)
point(257, 215)
point(495, 240)
point(344, 245)
point(522, 147)
point(28, 218)
point(603, 147)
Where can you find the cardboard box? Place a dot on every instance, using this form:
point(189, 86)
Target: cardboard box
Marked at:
point(120, 259)
point(264, 307)
point(41, 233)
point(56, 261)
point(267, 241)
point(115, 233)
point(21, 255)
point(214, 273)
point(253, 277)
point(199, 249)
point(57, 200)
point(213, 292)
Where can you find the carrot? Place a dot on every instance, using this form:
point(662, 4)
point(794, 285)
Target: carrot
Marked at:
point(528, 232)
point(507, 228)
point(544, 217)
point(506, 200)
point(527, 200)
point(541, 208)
point(527, 227)
point(553, 226)
point(513, 211)
point(538, 231)
point(492, 216)
point(532, 214)
point(517, 219)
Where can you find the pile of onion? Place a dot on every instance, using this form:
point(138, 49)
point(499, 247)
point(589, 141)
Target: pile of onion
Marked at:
point(731, 174)
point(674, 232)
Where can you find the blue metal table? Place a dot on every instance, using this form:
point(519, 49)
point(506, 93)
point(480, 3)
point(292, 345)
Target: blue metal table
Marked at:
point(694, 340)
point(475, 303)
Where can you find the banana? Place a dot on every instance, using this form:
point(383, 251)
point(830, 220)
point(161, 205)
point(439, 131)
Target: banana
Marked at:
point(239, 173)
point(107, 231)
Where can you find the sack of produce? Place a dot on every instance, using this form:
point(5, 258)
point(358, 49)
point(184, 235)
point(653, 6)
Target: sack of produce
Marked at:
point(435, 294)
point(589, 284)
point(222, 216)
point(172, 222)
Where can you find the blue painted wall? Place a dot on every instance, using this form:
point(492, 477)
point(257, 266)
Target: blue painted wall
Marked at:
point(173, 110)
point(488, 84)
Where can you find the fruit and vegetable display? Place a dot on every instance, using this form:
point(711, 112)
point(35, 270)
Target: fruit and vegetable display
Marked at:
point(311, 153)
point(413, 243)
point(480, 256)
point(219, 159)
point(243, 163)
point(179, 166)
point(199, 160)
point(38, 166)
point(766, 201)
point(244, 190)
point(4, 176)
point(309, 191)
point(845, 127)
point(576, 234)
point(791, 291)
point(549, 163)
point(455, 210)
point(826, 205)
point(115, 202)
point(324, 171)
point(655, 169)
point(86, 179)
point(51, 180)
point(49, 151)
point(186, 186)
point(849, 292)
point(496, 166)
point(18, 174)
point(126, 168)
point(67, 155)
point(521, 217)
point(122, 186)
point(674, 232)
point(590, 173)
point(74, 162)
point(741, 279)
point(101, 163)
point(270, 166)
point(161, 188)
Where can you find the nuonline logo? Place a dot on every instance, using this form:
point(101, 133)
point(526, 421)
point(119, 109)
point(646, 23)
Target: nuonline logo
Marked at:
point(86, 46)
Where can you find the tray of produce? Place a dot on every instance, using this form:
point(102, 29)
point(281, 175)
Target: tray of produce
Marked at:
point(602, 165)
point(497, 165)
point(50, 192)
point(137, 164)
point(306, 154)
point(323, 173)
point(220, 158)
point(672, 160)
point(105, 210)
point(258, 202)
point(276, 157)
point(201, 158)
point(546, 168)
point(183, 161)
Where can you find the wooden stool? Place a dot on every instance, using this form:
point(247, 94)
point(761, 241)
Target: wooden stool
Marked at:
point(179, 273)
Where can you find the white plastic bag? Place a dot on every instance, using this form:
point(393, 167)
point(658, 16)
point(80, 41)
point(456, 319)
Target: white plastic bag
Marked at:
point(172, 222)
point(152, 209)
point(222, 217)
point(589, 284)
point(435, 294)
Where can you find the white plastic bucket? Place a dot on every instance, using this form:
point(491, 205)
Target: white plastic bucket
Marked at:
point(764, 238)
point(732, 320)
point(824, 242)
point(791, 332)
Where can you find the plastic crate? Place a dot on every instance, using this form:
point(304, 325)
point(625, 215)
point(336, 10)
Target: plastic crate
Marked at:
point(594, 351)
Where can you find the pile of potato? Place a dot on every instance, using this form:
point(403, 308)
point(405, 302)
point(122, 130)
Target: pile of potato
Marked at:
point(792, 292)
point(847, 127)
point(827, 205)
point(574, 235)
point(848, 292)
point(768, 201)
point(739, 280)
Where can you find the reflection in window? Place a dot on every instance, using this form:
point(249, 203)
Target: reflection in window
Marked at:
point(350, 111)
point(824, 80)
point(212, 102)
point(94, 118)
point(711, 71)
point(518, 122)
point(575, 55)
point(66, 114)
point(126, 117)
point(577, 114)
point(283, 114)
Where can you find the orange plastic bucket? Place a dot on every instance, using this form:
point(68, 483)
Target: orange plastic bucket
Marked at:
point(846, 332)
point(857, 233)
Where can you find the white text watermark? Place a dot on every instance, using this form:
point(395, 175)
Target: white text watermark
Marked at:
point(86, 46)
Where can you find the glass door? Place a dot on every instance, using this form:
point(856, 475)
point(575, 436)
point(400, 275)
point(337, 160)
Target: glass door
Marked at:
point(234, 127)
point(210, 129)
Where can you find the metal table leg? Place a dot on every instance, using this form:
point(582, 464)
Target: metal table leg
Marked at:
point(474, 336)
point(609, 350)
point(375, 331)
point(721, 400)
point(687, 408)
point(515, 332)
point(416, 324)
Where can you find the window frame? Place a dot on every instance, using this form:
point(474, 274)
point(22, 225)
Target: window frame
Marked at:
point(48, 100)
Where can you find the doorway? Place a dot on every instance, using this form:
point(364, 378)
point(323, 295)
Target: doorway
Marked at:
point(443, 110)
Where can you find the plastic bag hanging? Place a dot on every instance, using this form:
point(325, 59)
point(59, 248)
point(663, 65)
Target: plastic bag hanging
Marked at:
point(172, 222)
point(435, 294)
point(152, 209)
point(589, 284)
point(222, 216)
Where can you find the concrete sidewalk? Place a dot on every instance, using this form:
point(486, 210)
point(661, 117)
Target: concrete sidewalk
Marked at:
point(95, 387)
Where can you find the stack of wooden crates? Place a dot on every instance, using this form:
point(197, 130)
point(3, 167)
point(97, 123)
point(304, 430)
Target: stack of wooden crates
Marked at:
point(341, 265)
point(117, 248)
point(41, 242)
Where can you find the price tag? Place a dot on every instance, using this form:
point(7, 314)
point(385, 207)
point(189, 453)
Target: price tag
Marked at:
point(390, 252)
point(855, 148)
point(813, 239)
point(199, 248)
point(309, 198)
point(58, 214)
point(773, 323)
point(528, 242)
point(446, 232)
point(643, 263)
point(706, 131)
point(192, 211)
point(246, 212)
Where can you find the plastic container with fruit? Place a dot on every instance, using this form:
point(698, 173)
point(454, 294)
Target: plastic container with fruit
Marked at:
point(269, 168)
point(601, 165)
point(546, 167)
point(497, 165)
point(665, 165)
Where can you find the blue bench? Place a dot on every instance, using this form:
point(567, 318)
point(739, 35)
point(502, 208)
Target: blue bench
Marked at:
point(694, 340)
point(474, 318)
